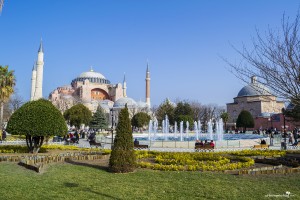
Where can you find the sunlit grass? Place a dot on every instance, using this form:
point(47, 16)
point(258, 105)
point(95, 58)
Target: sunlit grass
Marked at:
point(68, 181)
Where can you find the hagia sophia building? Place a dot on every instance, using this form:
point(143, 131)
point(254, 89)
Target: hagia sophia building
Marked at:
point(90, 88)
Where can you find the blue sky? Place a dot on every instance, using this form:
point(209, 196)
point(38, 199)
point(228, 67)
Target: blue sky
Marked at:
point(184, 41)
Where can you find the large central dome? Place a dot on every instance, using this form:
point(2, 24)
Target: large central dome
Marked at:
point(93, 77)
point(254, 89)
point(91, 74)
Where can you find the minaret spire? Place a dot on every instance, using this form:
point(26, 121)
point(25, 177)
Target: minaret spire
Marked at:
point(147, 66)
point(148, 86)
point(124, 86)
point(38, 94)
point(41, 46)
point(33, 82)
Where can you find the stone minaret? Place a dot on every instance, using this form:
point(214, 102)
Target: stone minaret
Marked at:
point(33, 83)
point(39, 74)
point(124, 87)
point(148, 86)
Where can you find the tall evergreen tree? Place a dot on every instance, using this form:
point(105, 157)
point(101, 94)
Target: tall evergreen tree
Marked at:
point(99, 120)
point(245, 120)
point(122, 158)
point(166, 108)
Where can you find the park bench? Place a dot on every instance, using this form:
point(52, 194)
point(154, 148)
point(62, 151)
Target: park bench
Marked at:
point(140, 146)
point(205, 147)
point(261, 146)
point(93, 143)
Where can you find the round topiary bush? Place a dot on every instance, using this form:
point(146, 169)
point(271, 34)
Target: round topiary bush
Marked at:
point(37, 119)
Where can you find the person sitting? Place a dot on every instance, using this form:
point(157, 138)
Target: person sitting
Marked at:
point(295, 143)
point(263, 142)
point(212, 144)
point(201, 143)
point(136, 142)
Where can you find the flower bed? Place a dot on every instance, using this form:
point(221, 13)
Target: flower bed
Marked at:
point(192, 161)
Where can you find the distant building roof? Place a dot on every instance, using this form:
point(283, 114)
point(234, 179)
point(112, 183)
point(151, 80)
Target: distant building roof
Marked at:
point(254, 89)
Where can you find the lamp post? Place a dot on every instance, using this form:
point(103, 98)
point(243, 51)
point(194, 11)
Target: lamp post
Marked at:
point(112, 127)
point(284, 130)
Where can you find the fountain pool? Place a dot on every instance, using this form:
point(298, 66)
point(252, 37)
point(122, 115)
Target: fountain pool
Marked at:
point(171, 137)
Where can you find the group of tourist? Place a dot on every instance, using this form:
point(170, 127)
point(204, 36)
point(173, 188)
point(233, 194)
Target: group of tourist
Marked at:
point(294, 137)
point(201, 143)
point(72, 137)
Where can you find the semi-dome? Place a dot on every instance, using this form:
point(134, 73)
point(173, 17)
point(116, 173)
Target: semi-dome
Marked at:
point(120, 103)
point(254, 89)
point(142, 104)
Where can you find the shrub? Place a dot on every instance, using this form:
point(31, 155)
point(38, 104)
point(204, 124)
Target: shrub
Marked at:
point(99, 120)
point(36, 120)
point(245, 120)
point(122, 157)
point(140, 119)
point(77, 115)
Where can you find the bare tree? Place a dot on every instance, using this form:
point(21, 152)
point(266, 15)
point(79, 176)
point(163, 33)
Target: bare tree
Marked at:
point(197, 109)
point(274, 59)
point(1, 5)
point(15, 102)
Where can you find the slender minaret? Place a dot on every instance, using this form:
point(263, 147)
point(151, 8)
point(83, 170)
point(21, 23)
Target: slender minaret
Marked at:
point(39, 74)
point(124, 87)
point(33, 82)
point(148, 86)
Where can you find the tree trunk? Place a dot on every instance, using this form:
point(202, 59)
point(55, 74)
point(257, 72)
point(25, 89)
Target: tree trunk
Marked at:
point(34, 143)
point(1, 113)
point(29, 143)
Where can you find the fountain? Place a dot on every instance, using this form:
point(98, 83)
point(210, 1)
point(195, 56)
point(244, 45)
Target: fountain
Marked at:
point(175, 130)
point(187, 129)
point(150, 128)
point(181, 131)
point(210, 129)
point(199, 126)
point(163, 127)
point(220, 130)
point(196, 130)
point(155, 127)
point(179, 134)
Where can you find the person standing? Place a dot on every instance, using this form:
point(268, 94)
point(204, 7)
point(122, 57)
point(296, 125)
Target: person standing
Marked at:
point(3, 135)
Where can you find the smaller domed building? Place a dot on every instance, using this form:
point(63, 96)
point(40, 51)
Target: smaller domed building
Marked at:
point(255, 98)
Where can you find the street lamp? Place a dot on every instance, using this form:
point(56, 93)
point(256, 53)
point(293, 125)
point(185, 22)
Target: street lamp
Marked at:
point(112, 127)
point(284, 130)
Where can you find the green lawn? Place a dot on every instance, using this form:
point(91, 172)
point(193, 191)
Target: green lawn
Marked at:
point(69, 181)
